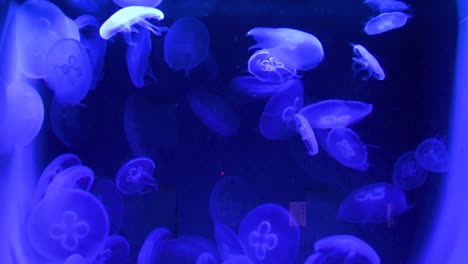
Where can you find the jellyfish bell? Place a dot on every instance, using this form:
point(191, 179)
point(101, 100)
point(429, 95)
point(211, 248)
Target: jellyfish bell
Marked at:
point(345, 146)
point(135, 177)
point(407, 173)
point(432, 155)
point(307, 133)
point(386, 22)
point(387, 5)
point(365, 61)
point(206, 258)
point(228, 242)
point(268, 68)
point(149, 249)
point(115, 250)
point(78, 176)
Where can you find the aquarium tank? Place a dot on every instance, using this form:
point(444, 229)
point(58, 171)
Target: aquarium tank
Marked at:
point(233, 132)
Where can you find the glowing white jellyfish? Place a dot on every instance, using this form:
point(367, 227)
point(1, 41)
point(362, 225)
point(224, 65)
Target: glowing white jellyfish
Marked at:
point(365, 61)
point(386, 22)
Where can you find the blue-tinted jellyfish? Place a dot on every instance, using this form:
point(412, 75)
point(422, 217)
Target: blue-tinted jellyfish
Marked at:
point(228, 242)
point(68, 72)
point(125, 19)
point(138, 52)
point(374, 203)
point(214, 112)
point(68, 222)
point(345, 146)
point(39, 24)
point(329, 114)
point(268, 68)
point(77, 176)
point(343, 249)
point(307, 134)
point(386, 5)
point(206, 258)
point(23, 117)
point(75, 259)
point(153, 243)
point(385, 22)
point(57, 165)
point(365, 61)
point(135, 177)
point(116, 250)
point(407, 173)
point(70, 123)
point(432, 155)
point(295, 49)
point(106, 192)
point(186, 44)
point(253, 87)
point(270, 235)
point(148, 3)
point(277, 121)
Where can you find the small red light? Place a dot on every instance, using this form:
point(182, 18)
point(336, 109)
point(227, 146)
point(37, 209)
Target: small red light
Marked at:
point(222, 173)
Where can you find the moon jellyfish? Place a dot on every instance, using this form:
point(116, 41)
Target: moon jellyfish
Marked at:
point(268, 68)
point(152, 245)
point(186, 44)
point(39, 25)
point(206, 258)
point(253, 87)
point(277, 121)
point(68, 72)
point(228, 242)
point(385, 22)
point(138, 53)
point(24, 114)
point(374, 203)
point(295, 49)
point(77, 176)
point(124, 20)
point(68, 222)
point(386, 5)
point(135, 177)
point(116, 250)
point(270, 235)
point(148, 3)
point(364, 61)
point(106, 192)
point(75, 259)
point(343, 249)
point(407, 173)
point(345, 146)
point(329, 114)
point(70, 123)
point(432, 155)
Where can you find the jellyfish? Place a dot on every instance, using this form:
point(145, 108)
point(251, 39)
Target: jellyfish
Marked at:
point(75, 259)
point(237, 259)
point(214, 112)
point(270, 235)
point(228, 242)
point(135, 177)
point(77, 176)
point(39, 25)
point(125, 19)
point(148, 3)
point(277, 120)
point(432, 155)
point(387, 5)
point(345, 146)
point(138, 53)
point(108, 194)
point(294, 48)
point(407, 173)
point(343, 249)
point(374, 203)
point(364, 61)
point(206, 258)
point(186, 44)
point(70, 123)
point(116, 250)
point(253, 87)
point(385, 22)
point(68, 72)
point(153, 242)
point(268, 68)
point(67, 222)
point(329, 114)
point(23, 118)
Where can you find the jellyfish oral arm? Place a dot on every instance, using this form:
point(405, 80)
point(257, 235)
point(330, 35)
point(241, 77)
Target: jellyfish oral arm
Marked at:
point(156, 30)
point(307, 134)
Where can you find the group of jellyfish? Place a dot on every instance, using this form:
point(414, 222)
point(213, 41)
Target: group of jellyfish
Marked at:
point(76, 219)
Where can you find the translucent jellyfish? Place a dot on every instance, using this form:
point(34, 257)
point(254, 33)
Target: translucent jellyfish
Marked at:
point(253, 87)
point(106, 192)
point(124, 20)
point(57, 165)
point(39, 24)
point(268, 68)
point(138, 53)
point(70, 123)
point(345, 146)
point(206, 258)
point(329, 114)
point(374, 203)
point(228, 242)
point(295, 49)
point(135, 177)
point(385, 22)
point(23, 117)
point(270, 235)
point(407, 173)
point(116, 250)
point(214, 112)
point(68, 222)
point(364, 61)
point(68, 72)
point(432, 155)
point(343, 249)
point(77, 176)
point(148, 3)
point(386, 5)
point(277, 121)
point(150, 248)
point(186, 44)
point(307, 133)
point(75, 259)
